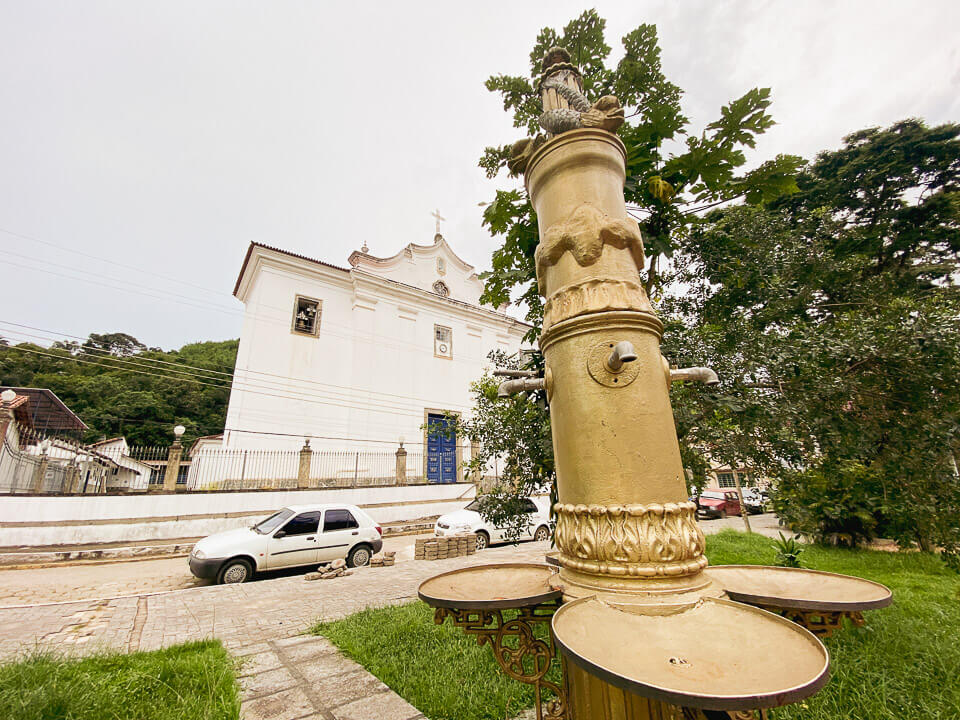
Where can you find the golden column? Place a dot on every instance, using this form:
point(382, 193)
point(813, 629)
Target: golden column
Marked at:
point(624, 523)
point(625, 531)
point(643, 631)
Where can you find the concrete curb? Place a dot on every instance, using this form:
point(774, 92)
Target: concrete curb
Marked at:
point(33, 559)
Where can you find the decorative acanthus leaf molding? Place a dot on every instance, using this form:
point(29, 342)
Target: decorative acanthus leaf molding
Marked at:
point(594, 295)
point(630, 540)
point(584, 234)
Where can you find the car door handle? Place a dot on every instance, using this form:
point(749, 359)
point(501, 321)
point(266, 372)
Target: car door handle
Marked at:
point(311, 538)
point(355, 532)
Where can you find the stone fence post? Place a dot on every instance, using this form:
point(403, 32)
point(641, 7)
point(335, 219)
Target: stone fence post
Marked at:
point(72, 483)
point(6, 412)
point(173, 466)
point(303, 470)
point(401, 475)
point(40, 472)
point(174, 456)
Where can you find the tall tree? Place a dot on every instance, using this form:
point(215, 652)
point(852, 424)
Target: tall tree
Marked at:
point(672, 172)
point(118, 387)
point(837, 314)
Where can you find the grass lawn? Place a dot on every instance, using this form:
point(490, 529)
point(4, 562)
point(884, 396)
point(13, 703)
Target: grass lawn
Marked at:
point(194, 681)
point(904, 664)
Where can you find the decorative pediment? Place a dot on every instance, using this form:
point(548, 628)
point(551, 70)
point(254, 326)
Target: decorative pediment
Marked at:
point(435, 268)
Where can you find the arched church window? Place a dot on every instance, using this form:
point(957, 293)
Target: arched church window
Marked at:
point(441, 266)
point(441, 289)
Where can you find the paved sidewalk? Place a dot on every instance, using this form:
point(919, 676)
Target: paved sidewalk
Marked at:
point(239, 615)
point(284, 674)
point(306, 677)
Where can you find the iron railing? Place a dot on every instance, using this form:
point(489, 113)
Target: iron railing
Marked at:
point(31, 462)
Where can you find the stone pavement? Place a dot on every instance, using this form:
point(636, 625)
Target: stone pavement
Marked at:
point(239, 615)
point(306, 677)
point(285, 675)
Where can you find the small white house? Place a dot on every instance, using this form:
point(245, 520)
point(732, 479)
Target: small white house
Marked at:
point(358, 357)
point(128, 473)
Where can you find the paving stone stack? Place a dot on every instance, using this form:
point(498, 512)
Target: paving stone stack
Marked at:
point(337, 568)
point(441, 548)
point(389, 558)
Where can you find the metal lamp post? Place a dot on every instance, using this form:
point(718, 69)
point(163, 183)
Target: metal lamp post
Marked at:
point(642, 631)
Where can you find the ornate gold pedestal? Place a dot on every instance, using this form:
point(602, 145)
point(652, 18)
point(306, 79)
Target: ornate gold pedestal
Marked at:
point(634, 628)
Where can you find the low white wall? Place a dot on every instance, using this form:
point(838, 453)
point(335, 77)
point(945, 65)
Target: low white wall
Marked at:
point(34, 521)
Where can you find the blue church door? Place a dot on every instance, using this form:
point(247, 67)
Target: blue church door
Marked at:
point(441, 452)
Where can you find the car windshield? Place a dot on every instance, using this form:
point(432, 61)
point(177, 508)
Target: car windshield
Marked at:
point(273, 522)
point(712, 496)
point(475, 506)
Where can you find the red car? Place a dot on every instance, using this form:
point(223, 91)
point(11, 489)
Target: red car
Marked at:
point(718, 504)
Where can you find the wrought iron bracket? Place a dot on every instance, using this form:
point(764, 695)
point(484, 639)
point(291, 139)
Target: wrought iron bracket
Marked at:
point(518, 651)
point(821, 623)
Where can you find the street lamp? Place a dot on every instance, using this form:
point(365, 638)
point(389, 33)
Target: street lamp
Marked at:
point(178, 432)
point(8, 396)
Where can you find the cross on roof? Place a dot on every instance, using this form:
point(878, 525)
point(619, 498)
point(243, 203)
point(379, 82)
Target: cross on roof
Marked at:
point(436, 214)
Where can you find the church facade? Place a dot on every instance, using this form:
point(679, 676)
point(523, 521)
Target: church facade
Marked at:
point(358, 357)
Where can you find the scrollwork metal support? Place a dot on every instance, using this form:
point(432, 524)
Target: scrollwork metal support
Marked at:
point(820, 622)
point(518, 651)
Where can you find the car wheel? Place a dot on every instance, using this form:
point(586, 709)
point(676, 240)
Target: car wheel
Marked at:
point(235, 571)
point(723, 515)
point(483, 540)
point(359, 556)
point(542, 533)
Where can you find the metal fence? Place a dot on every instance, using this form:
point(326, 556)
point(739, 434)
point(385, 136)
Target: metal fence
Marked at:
point(33, 463)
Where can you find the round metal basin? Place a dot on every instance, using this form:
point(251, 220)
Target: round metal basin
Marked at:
point(503, 585)
point(799, 588)
point(715, 655)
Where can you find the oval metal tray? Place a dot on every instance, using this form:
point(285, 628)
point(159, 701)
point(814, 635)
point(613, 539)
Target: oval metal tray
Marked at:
point(502, 585)
point(799, 588)
point(715, 655)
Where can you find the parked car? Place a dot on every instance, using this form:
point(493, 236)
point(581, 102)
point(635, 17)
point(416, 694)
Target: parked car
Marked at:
point(291, 537)
point(718, 504)
point(753, 500)
point(469, 520)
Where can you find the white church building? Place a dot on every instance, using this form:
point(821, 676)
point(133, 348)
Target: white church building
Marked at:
point(359, 357)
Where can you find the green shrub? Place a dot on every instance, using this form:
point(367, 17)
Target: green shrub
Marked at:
point(788, 552)
point(839, 505)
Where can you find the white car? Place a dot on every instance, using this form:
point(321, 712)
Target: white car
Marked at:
point(294, 536)
point(469, 520)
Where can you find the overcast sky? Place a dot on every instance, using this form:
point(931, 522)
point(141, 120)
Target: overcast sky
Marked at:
point(165, 136)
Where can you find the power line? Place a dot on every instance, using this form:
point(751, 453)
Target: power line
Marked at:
point(395, 411)
point(246, 314)
point(417, 400)
point(106, 260)
point(245, 386)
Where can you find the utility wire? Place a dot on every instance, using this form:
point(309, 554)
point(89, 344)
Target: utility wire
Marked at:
point(299, 398)
point(246, 372)
point(203, 305)
point(106, 260)
point(347, 394)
